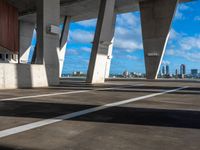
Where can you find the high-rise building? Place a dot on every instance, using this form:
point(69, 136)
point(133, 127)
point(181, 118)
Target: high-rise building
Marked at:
point(182, 69)
point(167, 70)
point(160, 74)
point(194, 72)
point(163, 70)
point(176, 72)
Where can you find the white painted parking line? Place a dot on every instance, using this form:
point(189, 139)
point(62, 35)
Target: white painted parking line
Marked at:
point(44, 95)
point(63, 93)
point(27, 127)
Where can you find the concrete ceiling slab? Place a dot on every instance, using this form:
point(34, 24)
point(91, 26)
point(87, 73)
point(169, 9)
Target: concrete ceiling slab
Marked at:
point(78, 9)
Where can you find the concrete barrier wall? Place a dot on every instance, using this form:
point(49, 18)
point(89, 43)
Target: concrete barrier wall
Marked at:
point(22, 76)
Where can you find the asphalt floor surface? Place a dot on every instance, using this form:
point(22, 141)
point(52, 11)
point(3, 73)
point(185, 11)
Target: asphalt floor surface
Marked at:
point(169, 121)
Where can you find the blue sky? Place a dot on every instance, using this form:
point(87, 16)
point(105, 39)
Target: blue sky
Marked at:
point(183, 46)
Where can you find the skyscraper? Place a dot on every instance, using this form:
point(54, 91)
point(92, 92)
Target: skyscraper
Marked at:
point(176, 72)
point(167, 70)
point(182, 69)
point(163, 70)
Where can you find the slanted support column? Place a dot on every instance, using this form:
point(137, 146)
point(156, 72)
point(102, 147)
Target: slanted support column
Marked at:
point(26, 33)
point(110, 48)
point(156, 19)
point(63, 43)
point(48, 13)
point(102, 41)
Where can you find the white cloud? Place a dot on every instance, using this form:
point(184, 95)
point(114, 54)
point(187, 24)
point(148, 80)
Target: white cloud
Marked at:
point(174, 34)
point(86, 49)
point(185, 46)
point(72, 52)
point(81, 36)
point(179, 15)
point(166, 62)
point(128, 35)
point(197, 18)
point(170, 52)
point(189, 55)
point(128, 20)
point(130, 57)
point(87, 23)
point(184, 7)
point(189, 42)
point(127, 45)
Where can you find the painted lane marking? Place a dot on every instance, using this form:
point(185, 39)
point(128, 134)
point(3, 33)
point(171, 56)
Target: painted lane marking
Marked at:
point(27, 127)
point(44, 95)
point(64, 93)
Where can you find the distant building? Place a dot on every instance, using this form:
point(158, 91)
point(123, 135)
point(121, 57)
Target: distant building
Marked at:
point(78, 73)
point(194, 72)
point(182, 69)
point(176, 72)
point(163, 70)
point(159, 74)
point(125, 73)
point(167, 70)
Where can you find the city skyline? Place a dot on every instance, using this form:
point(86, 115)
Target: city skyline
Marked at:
point(164, 70)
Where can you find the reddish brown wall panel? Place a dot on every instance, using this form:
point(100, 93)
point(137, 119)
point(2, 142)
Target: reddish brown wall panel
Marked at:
point(9, 26)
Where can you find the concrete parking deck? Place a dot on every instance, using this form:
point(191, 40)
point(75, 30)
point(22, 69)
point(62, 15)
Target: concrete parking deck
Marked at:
point(136, 115)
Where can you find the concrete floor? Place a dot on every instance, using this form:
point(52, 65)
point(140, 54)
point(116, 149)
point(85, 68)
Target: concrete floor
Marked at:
point(169, 121)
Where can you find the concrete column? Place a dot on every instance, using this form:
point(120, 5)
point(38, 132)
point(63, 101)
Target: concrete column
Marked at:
point(26, 34)
point(48, 13)
point(156, 18)
point(102, 41)
point(63, 43)
point(110, 49)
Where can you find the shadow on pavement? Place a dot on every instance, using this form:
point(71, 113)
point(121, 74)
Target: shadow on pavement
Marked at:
point(4, 147)
point(116, 115)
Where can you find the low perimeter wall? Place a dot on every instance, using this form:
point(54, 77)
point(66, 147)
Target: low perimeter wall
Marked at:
point(22, 76)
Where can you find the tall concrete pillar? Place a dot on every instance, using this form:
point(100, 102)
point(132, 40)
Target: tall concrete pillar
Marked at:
point(156, 19)
point(63, 43)
point(110, 49)
point(25, 38)
point(102, 41)
point(48, 13)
